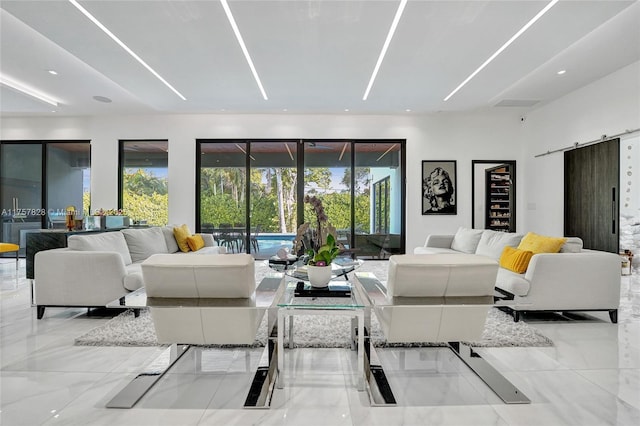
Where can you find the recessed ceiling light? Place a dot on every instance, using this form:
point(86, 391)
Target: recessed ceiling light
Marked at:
point(408, 110)
point(102, 99)
point(27, 90)
point(285, 110)
point(236, 31)
point(93, 19)
point(385, 46)
point(346, 110)
point(562, 72)
point(504, 46)
point(52, 72)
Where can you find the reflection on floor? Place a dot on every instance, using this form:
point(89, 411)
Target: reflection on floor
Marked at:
point(591, 376)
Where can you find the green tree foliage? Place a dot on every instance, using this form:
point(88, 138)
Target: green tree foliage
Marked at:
point(152, 208)
point(222, 200)
point(145, 197)
point(362, 179)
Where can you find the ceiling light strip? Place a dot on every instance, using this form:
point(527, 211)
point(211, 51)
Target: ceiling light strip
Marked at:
point(236, 31)
point(93, 19)
point(27, 90)
point(383, 52)
point(504, 46)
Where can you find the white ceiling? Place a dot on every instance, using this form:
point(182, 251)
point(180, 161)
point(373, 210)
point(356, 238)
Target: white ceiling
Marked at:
point(312, 56)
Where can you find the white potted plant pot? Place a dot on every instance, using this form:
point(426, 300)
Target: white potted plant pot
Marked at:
point(319, 276)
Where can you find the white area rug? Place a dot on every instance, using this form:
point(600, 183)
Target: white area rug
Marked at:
point(315, 331)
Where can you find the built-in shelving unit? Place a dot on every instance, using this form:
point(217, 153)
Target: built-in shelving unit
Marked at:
point(500, 201)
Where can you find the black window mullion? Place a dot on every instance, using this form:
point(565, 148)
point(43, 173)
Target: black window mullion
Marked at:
point(300, 184)
point(43, 185)
point(247, 197)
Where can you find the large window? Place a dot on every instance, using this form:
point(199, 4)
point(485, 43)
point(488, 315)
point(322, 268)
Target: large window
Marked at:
point(250, 192)
point(143, 181)
point(38, 181)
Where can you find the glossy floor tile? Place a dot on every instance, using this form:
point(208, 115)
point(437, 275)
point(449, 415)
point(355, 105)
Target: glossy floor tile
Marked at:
point(591, 376)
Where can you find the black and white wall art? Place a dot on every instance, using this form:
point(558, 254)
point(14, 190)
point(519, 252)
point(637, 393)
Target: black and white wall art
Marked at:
point(439, 187)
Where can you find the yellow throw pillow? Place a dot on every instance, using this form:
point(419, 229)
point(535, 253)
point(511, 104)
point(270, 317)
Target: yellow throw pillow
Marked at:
point(182, 233)
point(541, 244)
point(515, 260)
point(195, 242)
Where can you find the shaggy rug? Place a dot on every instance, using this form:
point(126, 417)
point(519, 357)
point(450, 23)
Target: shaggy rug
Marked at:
point(315, 331)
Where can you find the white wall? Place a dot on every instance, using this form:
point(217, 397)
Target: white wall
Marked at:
point(608, 106)
point(463, 137)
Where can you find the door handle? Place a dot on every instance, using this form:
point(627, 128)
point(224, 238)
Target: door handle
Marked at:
point(613, 210)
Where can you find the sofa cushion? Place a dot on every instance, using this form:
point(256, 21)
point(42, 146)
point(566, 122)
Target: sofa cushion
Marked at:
point(106, 241)
point(466, 240)
point(170, 239)
point(195, 242)
point(515, 260)
point(433, 250)
point(492, 243)
point(207, 250)
point(133, 280)
point(512, 282)
point(144, 242)
point(572, 245)
point(444, 275)
point(541, 243)
point(214, 276)
point(182, 233)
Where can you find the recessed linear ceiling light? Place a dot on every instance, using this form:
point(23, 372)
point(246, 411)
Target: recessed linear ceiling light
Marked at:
point(52, 72)
point(27, 90)
point(504, 46)
point(562, 72)
point(236, 31)
point(93, 19)
point(385, 46)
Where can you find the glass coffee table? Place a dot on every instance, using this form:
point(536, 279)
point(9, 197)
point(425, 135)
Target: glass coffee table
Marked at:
point(299, 298)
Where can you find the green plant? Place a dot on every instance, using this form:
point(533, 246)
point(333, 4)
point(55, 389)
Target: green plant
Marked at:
point(319, 243)
point(325, 254)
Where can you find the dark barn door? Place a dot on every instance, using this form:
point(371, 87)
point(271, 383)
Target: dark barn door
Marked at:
point(591, 194)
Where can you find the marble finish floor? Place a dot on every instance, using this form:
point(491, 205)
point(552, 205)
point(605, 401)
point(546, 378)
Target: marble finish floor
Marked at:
point(591, 376)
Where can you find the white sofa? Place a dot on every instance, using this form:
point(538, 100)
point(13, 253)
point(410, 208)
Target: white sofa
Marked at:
point(575, 279)
point(97, 268)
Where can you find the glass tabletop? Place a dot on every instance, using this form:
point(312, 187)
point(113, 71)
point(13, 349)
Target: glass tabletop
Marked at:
point(295, 266)
point(338, 295)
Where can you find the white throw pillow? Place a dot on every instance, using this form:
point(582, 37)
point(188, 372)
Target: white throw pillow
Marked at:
point(170, 239)
point(466, 240)
point(144, 242)
point(106, 241)
point(572, 245)
point(493, 242)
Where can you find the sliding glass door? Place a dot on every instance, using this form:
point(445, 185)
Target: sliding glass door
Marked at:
point(21, 180)
point(250, 192)
point(38, 181)
point(327, 176)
